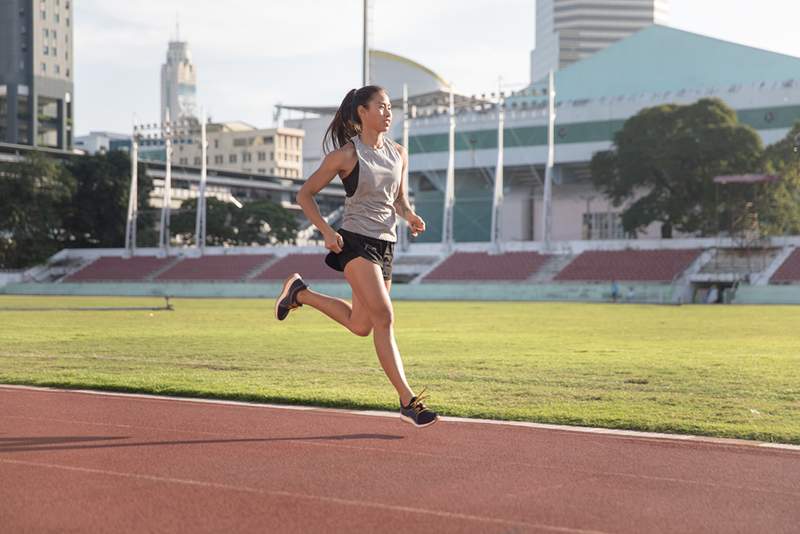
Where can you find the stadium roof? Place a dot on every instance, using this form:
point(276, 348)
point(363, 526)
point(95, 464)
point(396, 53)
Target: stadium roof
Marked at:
point(391, 71)
point(659, 58)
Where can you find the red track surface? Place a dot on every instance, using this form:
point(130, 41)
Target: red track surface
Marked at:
point(79, 462)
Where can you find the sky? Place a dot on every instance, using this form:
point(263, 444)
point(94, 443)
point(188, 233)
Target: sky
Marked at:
point(251, 55)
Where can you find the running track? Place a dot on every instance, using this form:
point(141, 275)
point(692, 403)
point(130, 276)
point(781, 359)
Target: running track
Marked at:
point(86, 462)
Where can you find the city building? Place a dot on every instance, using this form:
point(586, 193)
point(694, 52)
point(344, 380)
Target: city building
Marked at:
point(570, 30)
point(36, 73)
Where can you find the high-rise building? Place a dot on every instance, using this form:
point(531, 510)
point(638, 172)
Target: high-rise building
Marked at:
point(570, 30)
point(178, 83)
point(36, 74)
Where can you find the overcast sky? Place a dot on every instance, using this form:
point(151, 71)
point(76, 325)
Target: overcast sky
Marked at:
point(250, 55)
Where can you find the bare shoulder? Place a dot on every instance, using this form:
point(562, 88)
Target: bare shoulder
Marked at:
point(401, 149)
point(342, 160)
point(342, 157)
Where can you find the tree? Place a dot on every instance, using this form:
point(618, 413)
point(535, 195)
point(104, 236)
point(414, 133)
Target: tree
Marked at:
point(260, 222)
point(664, 161)
point(99, 207)
point(779, 207)
point(265, 222)
point(34, 196)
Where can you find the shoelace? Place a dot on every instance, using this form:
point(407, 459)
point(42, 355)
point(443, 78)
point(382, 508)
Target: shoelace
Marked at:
point(417, 404)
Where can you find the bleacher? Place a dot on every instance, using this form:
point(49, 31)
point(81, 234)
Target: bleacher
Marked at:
point(310, 266)
point(789, 271)
point(482, 266)
point(628, 265)
point(224, 268)
point(114, 269)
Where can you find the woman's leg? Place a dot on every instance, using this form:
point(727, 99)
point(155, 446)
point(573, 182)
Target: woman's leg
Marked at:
point(354, 317)
point(367, 282)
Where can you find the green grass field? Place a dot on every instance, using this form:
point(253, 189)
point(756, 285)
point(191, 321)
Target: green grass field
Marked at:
point(722, 371)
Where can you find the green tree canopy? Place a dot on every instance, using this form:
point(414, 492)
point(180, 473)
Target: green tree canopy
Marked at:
point(99, 208)
point(259, 222)
point(34, 195)
point(664, 161)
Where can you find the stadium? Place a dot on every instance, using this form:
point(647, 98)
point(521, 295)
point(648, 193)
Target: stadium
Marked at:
point(587, 377)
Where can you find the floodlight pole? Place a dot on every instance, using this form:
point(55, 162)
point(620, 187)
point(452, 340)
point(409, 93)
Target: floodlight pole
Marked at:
point(449, 195)
point(547, 208)
point(133, 201)
point(164, 233)
point(403, 234)
point(200, 224)
point(497, 202)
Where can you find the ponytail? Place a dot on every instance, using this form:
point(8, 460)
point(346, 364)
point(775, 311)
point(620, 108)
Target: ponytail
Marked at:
point(346, 123)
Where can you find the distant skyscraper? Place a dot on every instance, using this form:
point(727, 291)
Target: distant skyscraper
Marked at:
point(570, 30)
point(178, 82)
point(36, 76)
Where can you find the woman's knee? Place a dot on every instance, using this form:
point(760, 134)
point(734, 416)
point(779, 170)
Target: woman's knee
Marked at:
point(362, 330)
point(382, 317)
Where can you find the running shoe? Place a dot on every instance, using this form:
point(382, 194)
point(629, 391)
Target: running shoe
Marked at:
point(287, 300)
point(416, 413)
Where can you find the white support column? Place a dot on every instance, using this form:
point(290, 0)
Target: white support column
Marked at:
point(449, 195)
point(365, 48)
point(547, 208)
point(164, 233)
point(200, 225)
point(403, 225)
point(133, 200)
point(497, 202)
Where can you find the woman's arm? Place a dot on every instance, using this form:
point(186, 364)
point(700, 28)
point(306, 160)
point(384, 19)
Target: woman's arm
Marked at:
point(401, 204)
point(326, 172)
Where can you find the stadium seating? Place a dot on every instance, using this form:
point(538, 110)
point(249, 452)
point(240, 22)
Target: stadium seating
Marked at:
point(310, 266)
point(789, 271)
point(629, 265)
point(481, 266)
point(224, 268)
point(110, 269)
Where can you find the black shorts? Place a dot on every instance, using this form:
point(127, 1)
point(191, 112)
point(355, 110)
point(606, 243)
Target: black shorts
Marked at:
point(375, 250)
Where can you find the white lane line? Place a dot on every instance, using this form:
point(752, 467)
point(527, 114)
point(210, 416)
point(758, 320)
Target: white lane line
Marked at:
point(292, 495)
point(652, 436)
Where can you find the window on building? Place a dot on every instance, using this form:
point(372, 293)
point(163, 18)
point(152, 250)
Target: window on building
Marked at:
point(198, 160)
point(272, 156)
point(44, 67)
point(46, 50)
point(218, 160)
point(262, 156)
point(232, 158)
point(55, 35)
point(45, 34)
point(58, 69)
point(57, 17)
point(55, 52)
point(604, 225)
point(67, 73)
point(216, 143)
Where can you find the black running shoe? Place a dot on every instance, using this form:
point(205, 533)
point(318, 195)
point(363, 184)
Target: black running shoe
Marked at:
point(416, 413)
point(287, 300)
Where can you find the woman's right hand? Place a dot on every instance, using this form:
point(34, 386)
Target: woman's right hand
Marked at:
point(334, 241)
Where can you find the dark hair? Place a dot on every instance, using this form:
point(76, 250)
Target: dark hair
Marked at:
point(346, 123)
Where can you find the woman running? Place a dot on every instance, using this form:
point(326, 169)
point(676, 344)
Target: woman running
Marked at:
point(371, 167)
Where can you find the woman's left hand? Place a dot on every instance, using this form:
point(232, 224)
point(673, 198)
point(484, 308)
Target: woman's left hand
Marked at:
point(416, 223)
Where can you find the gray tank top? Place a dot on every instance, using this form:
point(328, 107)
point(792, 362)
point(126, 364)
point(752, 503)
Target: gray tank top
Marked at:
point(370, 210)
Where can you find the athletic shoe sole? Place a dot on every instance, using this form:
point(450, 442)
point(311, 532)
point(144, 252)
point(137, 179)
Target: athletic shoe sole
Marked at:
point(284, 293)
point(411, 421)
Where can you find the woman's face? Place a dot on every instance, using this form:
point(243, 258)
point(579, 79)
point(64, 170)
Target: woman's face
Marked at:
point(377, 115)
